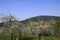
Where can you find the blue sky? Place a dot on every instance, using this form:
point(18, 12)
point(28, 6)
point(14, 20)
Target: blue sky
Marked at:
point(24, 9)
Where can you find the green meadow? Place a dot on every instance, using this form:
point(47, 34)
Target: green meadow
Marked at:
point(6, 37)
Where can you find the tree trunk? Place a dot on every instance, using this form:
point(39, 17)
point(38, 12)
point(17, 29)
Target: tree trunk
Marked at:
point(11, 36)
point(19, 35)
point(39, 35)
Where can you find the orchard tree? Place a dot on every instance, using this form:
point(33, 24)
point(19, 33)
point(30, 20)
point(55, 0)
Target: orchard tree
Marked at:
point(10, 24)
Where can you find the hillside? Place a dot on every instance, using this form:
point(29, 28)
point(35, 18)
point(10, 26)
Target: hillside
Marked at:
point(46, 25)
point(56, 19)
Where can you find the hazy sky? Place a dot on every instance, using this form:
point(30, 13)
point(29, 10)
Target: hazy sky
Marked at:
point(23, 9)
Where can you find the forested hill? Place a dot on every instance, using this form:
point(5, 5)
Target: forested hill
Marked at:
point(44, 18)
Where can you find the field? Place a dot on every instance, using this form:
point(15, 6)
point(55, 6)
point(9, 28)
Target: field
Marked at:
point(6, 37)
